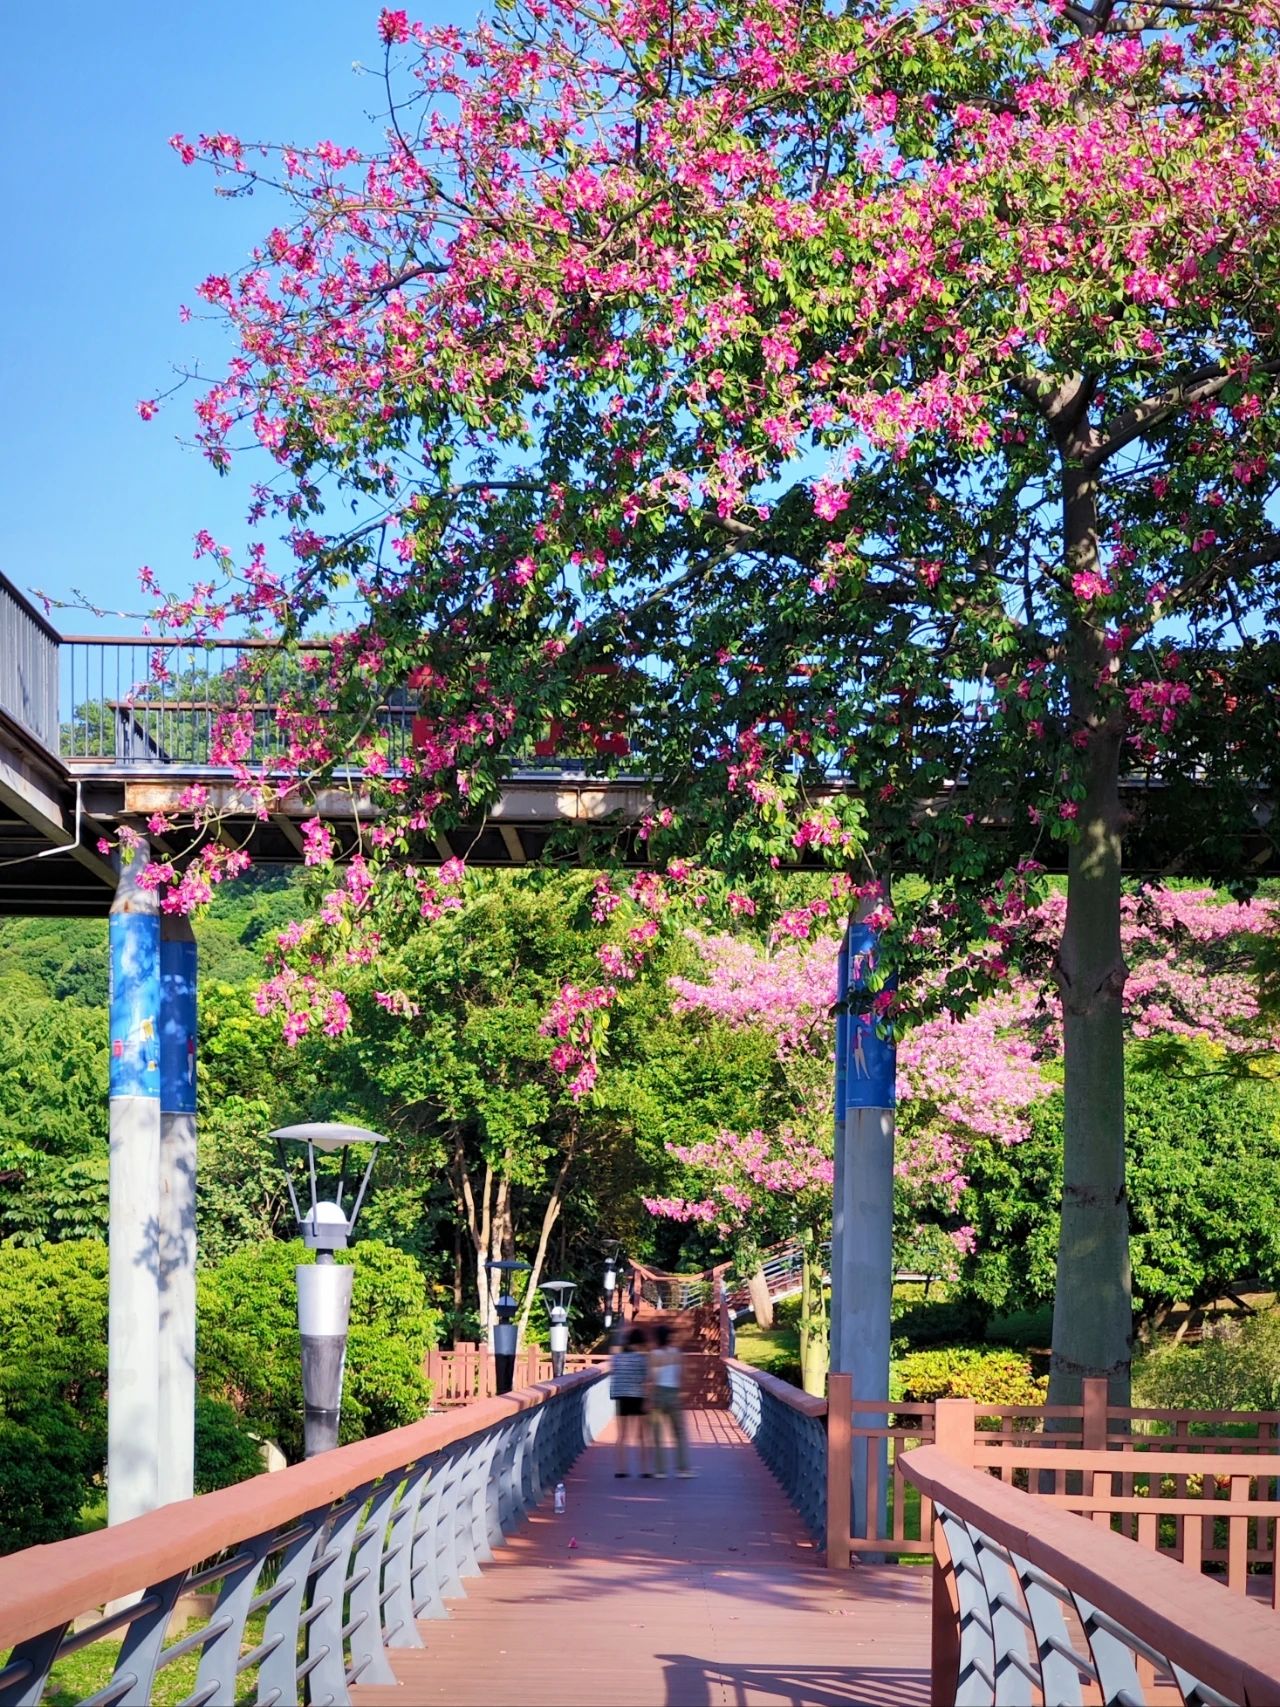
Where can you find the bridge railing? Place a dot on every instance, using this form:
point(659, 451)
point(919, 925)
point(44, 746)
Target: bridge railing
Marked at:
point(28, 667)
point(788, 1430)
point(313, 1573)
point(127, 700)
point(137, 702)
point(1031, 1602)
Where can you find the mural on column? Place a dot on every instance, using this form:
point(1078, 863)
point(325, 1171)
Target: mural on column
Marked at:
point(135, 1002)
point(866, 1063)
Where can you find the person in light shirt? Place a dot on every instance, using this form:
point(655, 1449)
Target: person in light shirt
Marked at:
point(666, 1400)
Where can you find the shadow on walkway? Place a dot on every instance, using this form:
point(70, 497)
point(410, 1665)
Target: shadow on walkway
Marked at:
point(645, 1593)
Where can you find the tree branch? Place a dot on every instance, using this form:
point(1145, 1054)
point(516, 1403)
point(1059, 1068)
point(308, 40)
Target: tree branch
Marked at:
point(1199, 387)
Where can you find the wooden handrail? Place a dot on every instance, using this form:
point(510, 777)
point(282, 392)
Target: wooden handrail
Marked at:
point(1223, 1640)
point(49, 1585)
point(782, 1391)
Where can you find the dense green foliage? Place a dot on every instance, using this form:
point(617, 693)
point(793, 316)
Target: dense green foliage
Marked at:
point(1204, 1192)
point(53, 1414)
point(1234, 1367)
point(53, 1326)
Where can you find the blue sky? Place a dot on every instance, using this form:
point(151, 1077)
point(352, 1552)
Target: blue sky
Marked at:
point(107, 234)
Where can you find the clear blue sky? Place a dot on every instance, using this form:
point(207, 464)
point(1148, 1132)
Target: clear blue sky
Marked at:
point(107, 234)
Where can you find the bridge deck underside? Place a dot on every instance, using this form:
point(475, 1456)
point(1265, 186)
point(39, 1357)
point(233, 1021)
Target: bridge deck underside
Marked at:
point(672, 1594)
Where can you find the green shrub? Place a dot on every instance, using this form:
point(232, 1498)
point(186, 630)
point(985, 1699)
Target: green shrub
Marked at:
point(786, 1312)
point(225, 1450)
point(1236, 1368)
point(992, 1375)
point(45, 1463)
point(248, 1353)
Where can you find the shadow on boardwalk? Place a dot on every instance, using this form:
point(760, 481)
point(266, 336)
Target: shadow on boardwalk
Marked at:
point(706, 1593)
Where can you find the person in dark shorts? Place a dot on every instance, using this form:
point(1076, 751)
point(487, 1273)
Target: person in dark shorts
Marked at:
point(628, 1377)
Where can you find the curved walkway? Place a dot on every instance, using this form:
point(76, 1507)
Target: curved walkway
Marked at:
point(703, 1593)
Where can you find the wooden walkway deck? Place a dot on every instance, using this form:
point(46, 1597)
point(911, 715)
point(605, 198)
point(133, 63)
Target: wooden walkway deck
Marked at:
point(702, 1593)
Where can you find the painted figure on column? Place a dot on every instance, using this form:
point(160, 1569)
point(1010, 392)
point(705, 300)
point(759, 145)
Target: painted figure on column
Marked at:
point(871, 1073)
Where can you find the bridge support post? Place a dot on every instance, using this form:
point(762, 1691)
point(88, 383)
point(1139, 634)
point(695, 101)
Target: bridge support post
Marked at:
point(862, 1220)
point(177, 1373)
point(133, 1322)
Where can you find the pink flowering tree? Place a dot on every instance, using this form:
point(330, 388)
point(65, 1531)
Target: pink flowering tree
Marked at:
point(845, 406)
point(963, 1083)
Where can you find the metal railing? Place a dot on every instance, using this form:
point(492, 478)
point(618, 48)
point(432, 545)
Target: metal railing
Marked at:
point(28, 667)
point(788, 1430)
point(1032, 1602)
point(317, 1573)
point(138, 702)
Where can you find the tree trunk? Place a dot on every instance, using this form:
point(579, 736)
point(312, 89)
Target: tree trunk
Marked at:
point(806, 1284)
point(815, 1339)
point(761, 1303)
point(1092, 1311)
point(499, 1246)
point(478, 1218)
point(550, 1215)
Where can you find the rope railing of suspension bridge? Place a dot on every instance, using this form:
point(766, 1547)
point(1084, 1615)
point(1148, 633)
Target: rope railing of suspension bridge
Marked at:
point(301, 1583)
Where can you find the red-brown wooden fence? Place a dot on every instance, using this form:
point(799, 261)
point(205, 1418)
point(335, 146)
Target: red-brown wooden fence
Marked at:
point(1151, 1474)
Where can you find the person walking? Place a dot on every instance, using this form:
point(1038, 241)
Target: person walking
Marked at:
point(628, 1378)
point(666, 1400)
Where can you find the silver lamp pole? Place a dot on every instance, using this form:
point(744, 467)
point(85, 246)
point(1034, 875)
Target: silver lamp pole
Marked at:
point(559, 1297)
point(506, 1330)
point(324, 1287)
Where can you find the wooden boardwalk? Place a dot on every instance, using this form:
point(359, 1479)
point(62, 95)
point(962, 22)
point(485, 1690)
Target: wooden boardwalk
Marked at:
point(702, 1593)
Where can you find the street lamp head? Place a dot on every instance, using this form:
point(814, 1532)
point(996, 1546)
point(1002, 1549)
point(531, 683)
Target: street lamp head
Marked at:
point(325, 1224)
point(612, 1263)
point(559, 1296)
point(505, 1268)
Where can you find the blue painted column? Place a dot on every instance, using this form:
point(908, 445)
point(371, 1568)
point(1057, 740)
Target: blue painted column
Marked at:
point(862, 1220)
point(133, 1326)
point(177, 1371)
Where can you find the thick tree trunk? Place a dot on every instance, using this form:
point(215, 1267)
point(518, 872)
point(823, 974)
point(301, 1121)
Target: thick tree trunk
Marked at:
point(1092, 1313)
point(761, 1303)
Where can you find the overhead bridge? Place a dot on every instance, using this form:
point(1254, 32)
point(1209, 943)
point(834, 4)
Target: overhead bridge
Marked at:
point(89, 740)
point(92, 737)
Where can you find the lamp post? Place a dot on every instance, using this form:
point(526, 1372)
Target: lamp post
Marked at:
point(612, 1263)
point(559, 1297)
point(324, 1287)
point(505, 1331)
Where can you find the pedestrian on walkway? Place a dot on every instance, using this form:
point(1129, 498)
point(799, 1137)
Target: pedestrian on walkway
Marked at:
point(628, 1379)
point(666, 1400)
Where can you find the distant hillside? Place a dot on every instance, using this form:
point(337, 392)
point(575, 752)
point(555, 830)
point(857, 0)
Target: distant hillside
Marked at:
point(66, 959)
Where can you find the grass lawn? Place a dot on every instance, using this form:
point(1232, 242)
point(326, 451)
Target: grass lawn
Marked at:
point(83, 1673)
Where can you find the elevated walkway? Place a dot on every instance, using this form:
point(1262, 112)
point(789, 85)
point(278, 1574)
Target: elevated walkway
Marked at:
point(428, 1565)
point(685, 1593)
